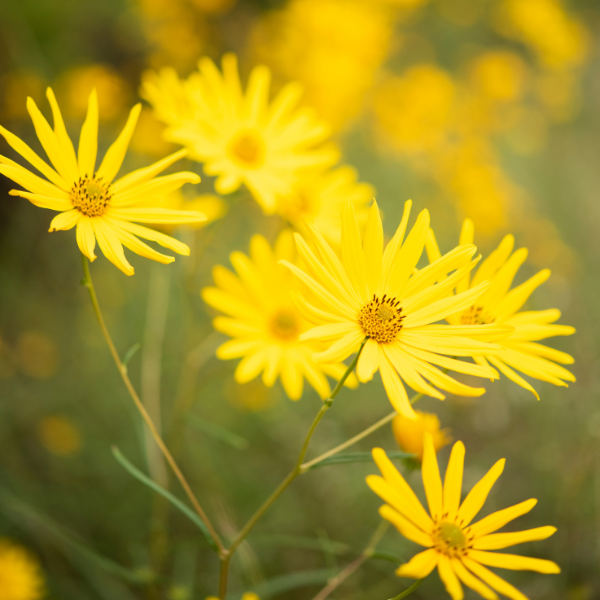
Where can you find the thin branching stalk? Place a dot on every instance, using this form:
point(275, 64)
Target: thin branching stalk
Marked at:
point(225, 561)
point(355, 564)
point(87, 282)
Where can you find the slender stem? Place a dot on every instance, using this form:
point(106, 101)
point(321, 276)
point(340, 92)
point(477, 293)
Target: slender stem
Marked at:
point(368, 431)
point(408, 591)
point(286, 482)
point(87, 282)
point(355, 564)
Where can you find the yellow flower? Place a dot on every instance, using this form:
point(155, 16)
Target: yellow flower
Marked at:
point(20, 576)
point(455, 545)
point(240, 137)
point(246, 596)
point(321, 199)
point(377, 295)
point(87, 197)
point(500, 304)
point(410, 433)
point(59, 435)
point(265, 323)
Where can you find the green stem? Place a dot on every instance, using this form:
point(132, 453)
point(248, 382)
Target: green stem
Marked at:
point(356, 563)
point(225, 561)
point(368, 431)
point(409, 591)
point(87, 282)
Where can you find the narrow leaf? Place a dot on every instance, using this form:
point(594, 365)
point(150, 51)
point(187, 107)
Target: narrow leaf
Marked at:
point(192, 516)
point(131, 353)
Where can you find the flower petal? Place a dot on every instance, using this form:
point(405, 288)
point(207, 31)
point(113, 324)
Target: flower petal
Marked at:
point(471, 581)
point(497, 541)
point(86, 240)
point(449, 578)
point(495, 582)
point(420, 565)
point(432, 480)
point(500, 518)
point(453, 480)
point(514, 562)
point(476, 498)
point(65, 220)
point(110, 245)
point(405, 527)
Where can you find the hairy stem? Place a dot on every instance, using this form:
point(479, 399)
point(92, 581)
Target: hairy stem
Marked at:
point(286, 482)
point(87, 282)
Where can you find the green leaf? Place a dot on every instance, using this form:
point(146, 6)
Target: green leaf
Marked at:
point(289, 582)
point(297, 542)
point(191, 515)
point(224, 435)
point(130, 354)
point(357, 457)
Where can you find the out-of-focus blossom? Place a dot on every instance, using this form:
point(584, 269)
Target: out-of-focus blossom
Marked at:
point(333, 47)
point(559, 40)
point(59, 435)
point(321, 199)
point(36, 355)
point(148, 136)
point(20, 573)
point(410, 433)
point(16, 85)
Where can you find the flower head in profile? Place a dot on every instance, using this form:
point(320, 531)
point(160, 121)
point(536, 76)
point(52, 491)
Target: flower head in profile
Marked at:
point(501, 304)
point(455, 545)
point(410, 433)
point(20, 573)
point(240, 136)
point(321, 198)
point(87, 196)
point(379, 295)
point(264, 322)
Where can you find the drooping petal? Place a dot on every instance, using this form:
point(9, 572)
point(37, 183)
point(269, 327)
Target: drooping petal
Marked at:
point(495, 582)
point(135, 245)
point(508, 372)
point(368, 363)
point(86, 240)
point(65, 220)
point(394, 388)
point(110, 245)
point(420, 565)
point(150, 234)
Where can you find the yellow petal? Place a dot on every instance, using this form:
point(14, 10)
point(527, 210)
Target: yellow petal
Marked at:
point(113, 159)
point(494, 261)
point(394, 388)
point(471, 581)
point(29, 181)
point(166, 241)
point(368, 363)
point(503, 279)
point(65, 220)
point(373, 249)
point(431, 247)
point(250, 367)
point(88, 140)
point(51, 203)
point(155, 188)
point(408, 370)
point(515, 377)
point(86, 240)
point(493, 580)
point(352, 253)
point(62, 136)
point(110, 245)
point(343, 348)
point(514, 562)
point(389, 255)
point(409, 530)
point(135, 245)
point(497, 541)
point(29, 155)
point(432, 480)
point(411, 506)
point(156, 215)
point(291, 379)
point(453, 480)
point(515, 299)
point(476, 498)
point(328, 332)
point(449, 578)
point(500, 518)
point(236, 348)
point(420, 565)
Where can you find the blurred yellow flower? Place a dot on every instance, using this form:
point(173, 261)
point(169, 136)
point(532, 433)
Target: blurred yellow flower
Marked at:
point(20, 573)
point(16, 85)
point(500, 304)
point(333, 47)
point(148, 136)
point(410, 433)
point(416, 111)
point(321, 198)
point(241, 138)
point(76, 85)
point(88, 198)
point(499, 75)
point(559, 40)
point(246, 596)
point(375, 295)
point(59, 435)
point(264, 322)
point(36, 354)
point(456, 546)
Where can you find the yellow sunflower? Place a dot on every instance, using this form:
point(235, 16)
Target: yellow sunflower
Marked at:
point(20, 573)
point(241, 137)
point(264, 322)
point(378, 295)
point(87, 198)
point(456, 546)
point(321, 199)
point(500, 304)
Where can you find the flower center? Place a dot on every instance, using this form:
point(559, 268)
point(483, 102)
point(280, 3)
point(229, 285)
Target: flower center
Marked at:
point(476, 315)
point(450, 539)
point(248, 149)
point(284, 326)
point(381, 319)
point(91, 196)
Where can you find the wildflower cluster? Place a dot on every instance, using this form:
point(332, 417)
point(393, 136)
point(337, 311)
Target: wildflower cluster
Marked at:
point(329, 295)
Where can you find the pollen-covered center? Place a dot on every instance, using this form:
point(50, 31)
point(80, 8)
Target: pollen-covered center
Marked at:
point(476, 315)
point(248, 149)
point(284, 326)
point(451, 539)
point(91, 196)
point(381, 319)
